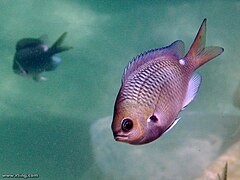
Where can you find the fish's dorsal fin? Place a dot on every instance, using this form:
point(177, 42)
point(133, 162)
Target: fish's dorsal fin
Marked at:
point(172, 125)
point(175, 50)
point(193, 87)
point(28, 43)
point(44, 38)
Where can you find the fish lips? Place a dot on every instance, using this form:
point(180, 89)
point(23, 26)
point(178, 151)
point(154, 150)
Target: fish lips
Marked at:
point(120, 137)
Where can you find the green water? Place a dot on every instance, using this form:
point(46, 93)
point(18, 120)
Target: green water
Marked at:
point(55, 128)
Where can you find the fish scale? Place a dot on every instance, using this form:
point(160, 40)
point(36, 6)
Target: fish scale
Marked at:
point(146, 89)
point(156, 86)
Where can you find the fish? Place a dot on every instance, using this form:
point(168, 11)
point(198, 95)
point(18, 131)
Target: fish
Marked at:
point(156, 86)
point(33, 56)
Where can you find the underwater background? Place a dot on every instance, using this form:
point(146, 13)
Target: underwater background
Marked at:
point(60, 128)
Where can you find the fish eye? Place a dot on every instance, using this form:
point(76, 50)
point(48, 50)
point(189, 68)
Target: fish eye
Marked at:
point(127, 125)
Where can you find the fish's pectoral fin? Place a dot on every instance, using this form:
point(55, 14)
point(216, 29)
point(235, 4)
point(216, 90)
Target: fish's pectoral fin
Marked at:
point(193, 87)
point(172, 125)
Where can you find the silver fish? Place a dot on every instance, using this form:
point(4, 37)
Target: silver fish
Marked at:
point(156, 86)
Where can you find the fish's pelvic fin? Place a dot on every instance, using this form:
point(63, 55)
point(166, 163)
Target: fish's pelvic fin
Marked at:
point(17, 66)
point(57, 48)
point(38, 77)
point(193, 87)
point(172, 125)
point(198, 53)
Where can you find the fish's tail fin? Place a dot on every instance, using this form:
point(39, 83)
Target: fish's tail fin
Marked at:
point(57, 48)
point(198, 53)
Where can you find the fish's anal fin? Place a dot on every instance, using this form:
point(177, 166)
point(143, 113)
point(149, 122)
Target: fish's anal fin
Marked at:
point(172, 125)
point(193, 87)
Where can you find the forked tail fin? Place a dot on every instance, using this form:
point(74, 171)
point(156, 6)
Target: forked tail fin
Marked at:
point(198, 53)
point(56, 47)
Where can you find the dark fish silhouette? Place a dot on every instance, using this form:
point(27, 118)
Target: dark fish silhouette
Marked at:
point(33, 57)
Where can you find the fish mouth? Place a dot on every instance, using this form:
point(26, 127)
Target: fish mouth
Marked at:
point(119, 137)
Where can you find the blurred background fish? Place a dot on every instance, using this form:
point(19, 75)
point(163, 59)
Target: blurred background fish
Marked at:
point(33, 56)
point(156, 86)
